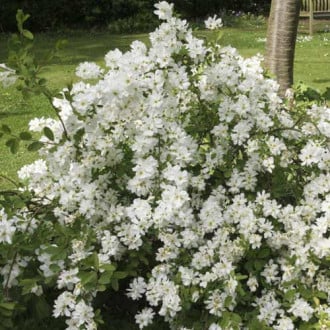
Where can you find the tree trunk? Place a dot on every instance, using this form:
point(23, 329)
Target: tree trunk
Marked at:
point(281, 40)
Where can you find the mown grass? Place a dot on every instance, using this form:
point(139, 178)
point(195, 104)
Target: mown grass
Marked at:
point(312, 66)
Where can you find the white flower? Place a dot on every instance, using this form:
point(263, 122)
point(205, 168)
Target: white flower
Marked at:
point(7, 228)
point(68, 279)
point(82, 313)
point(252, 283)
point(10, 273)
point(136, 288)
point(187, 275)
point(311, 153)
point(215, 303)
point(268, 164)
point(88, 70)
point(163, 10)
point(269, 308)
point(284, 323)
point(302, 309)
point(275, 145)
point(64, 304)
point(144, 317)
point(37, 290)
point(112, 58)
point(213, 23)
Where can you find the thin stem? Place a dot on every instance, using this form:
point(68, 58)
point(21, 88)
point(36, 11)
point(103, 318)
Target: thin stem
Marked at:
point(10, 180)
point(49, 97)
point(6, 288)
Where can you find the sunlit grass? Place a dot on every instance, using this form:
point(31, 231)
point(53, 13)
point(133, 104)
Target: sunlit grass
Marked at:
point(312, 66)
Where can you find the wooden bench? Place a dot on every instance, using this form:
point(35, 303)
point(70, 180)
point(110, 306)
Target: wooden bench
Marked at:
point(314, 9)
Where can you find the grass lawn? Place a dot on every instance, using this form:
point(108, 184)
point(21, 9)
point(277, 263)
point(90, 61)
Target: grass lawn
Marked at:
point(312, 66)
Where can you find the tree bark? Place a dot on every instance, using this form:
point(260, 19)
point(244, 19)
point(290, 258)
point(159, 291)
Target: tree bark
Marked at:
point(281, 40)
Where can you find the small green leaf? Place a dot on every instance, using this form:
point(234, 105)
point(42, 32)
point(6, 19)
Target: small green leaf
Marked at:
point(49, 133)
point(13, 145)
point(92, 261)
point(264, 253)
point(21, 17)
point(42, 308)
point(27, 285)
point(240, 277)
point(60, 44)
point(115, 284)
point(290, 295)
point(27, 34)
point(101, 288)
point(321, 295)
point(109, 267)
point(259, 264)
point(26, 136)
point(120, 275)
point(35, 146)
point(88, 277)
point(105, 278)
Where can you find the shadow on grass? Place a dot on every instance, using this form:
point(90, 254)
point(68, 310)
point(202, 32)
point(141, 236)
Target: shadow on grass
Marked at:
point(88, 47)
point(7, 114)
point(321, 81)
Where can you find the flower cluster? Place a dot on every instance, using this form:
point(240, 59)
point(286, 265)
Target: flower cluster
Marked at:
point(213, 23)
point(183, 166)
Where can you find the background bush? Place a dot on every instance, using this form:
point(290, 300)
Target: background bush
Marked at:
point(53, 15)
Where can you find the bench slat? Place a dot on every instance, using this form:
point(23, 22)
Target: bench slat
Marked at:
point(314, 8)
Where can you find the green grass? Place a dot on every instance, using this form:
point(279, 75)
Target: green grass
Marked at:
point(312, 66)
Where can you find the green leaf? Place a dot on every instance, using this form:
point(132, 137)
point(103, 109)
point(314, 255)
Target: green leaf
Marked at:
point(25, 136)
point(109, 267)
point(78, 136)
point(120, 275)
point(35, 146)
point(27, 285)
point(61, 43)
point(259, 264)
point(264, 253)
point(7, 305)
point(101, 288)
point(21, 17)
point(115, 284)
point(42, 308)
point(240, 277)
point(88, 277)
point(321, 295)
point(5, 313)
point(290, 295)
point(228, 301)
point(5, 129)
point(308, 326)
point(27, 34)
point(13, 145)
point(105, 278)
point(48, 133)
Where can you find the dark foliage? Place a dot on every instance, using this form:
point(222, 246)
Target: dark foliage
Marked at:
point(86, 14)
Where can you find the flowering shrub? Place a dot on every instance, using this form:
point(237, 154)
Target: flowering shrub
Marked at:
point(176, 177)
